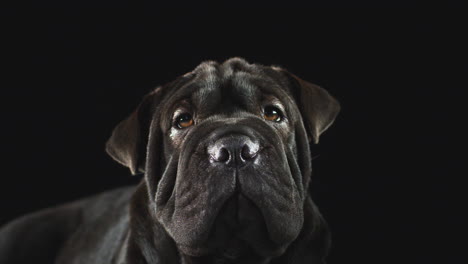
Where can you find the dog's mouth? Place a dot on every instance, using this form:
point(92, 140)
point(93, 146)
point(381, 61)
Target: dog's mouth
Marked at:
point(236, 211)
point(231, 191)
point(238, 231)
point(250, 209)
point(225, 235)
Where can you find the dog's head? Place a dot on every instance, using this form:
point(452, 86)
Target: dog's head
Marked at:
point(225, 152)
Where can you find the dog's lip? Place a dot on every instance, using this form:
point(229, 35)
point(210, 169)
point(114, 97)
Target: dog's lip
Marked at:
point(205, 248)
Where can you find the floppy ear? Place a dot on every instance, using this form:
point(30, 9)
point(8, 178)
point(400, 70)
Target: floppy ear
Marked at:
point(127, 144)
point(318, 108)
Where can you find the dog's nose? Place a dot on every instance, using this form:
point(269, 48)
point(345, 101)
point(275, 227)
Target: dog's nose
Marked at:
point(233, 149)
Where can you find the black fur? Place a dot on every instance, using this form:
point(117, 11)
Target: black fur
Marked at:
point(251, 205)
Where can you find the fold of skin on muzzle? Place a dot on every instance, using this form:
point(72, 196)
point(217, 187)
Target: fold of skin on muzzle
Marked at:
point(277, 197)
point(192, 192)
point(195, 202)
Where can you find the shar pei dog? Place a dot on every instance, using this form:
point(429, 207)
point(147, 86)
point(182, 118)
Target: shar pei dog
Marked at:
point(225, 152)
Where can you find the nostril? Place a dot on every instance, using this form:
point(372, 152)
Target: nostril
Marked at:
point(222, 155)
point(248, 153)
point(233, 150)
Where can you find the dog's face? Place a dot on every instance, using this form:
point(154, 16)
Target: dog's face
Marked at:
point(225, 151)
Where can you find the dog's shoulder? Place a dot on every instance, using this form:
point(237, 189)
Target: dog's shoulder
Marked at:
point(39, 236)
point(109, 204)
point(102, 229)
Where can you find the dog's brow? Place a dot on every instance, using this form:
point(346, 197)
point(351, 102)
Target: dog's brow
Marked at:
point(244, 87)
point(204, 92)
point(267, 86)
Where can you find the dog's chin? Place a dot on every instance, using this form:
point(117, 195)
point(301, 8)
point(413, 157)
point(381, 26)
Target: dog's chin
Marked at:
point(194, 251)
point(235, 248)
point(234, 251)
point(239, 230)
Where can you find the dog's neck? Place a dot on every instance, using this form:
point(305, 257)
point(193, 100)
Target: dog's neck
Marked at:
point(158, 247)
point(236, 251)
point(246, 258)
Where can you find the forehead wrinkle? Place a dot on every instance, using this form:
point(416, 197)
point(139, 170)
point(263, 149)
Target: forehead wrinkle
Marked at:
point(207, 74)
point(207, 80)
point(244, 89)
point(205, 98)
point(269, 86)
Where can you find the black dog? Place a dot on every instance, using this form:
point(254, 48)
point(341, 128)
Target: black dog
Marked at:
point(226, 154)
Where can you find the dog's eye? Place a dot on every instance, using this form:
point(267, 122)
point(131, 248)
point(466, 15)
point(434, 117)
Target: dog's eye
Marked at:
point(184, 120)
point(272, 113)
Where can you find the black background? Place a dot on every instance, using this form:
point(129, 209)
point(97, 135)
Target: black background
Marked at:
point(388, 176)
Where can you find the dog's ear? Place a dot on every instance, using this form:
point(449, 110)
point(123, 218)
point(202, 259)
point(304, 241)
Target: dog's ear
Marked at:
point(127, 144)
point(318, 108)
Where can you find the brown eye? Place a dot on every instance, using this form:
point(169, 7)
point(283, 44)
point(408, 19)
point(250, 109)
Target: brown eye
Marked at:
point(184, 120)
point(272, 113)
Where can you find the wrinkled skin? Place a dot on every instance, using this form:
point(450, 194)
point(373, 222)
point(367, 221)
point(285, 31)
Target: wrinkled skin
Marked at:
point(232, 186)
point(202, 187)
point(209, 207)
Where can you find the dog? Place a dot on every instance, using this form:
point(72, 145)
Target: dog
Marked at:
point(225, 152)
